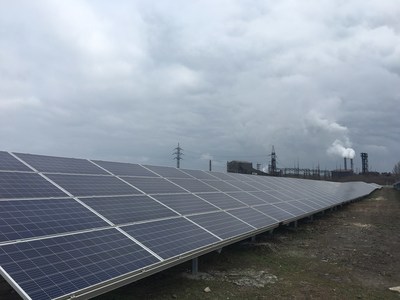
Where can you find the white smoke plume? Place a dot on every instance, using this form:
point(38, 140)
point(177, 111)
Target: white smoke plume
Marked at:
point(338, 148)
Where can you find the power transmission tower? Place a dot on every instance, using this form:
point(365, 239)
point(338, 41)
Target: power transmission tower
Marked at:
point(178, 155)
point(272, 166)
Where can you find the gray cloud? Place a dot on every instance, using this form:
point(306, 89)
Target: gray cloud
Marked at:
point(226, 79)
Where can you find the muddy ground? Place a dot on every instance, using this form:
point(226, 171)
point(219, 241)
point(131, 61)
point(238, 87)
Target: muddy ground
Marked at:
point(351, 253)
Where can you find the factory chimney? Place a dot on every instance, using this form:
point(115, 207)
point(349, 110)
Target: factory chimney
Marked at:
point(345, 163)
point(351, 164)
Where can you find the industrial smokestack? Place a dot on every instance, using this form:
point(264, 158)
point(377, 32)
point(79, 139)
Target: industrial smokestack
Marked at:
point(351, 164)
point(345, 163)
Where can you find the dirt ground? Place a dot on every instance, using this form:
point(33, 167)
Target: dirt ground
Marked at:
point(351, 253)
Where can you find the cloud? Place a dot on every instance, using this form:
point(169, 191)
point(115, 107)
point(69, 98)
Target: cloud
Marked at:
point(127, 81)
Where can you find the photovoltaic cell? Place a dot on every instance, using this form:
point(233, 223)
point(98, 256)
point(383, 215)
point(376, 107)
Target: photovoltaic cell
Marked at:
point(128, 209)
point(58, 266)
point(52, 164)
point(253, 217)
point(10, 163)
point(222, 176)
point(185, 203)
point(26, 185)
point(198, 174)
point(222, 185)
point(221, 200)
point(88, 185)
point(267, 198)
point(125, 169)
point(258, 185)
point(168, 172)
point(246, 198)
point(291, 208)
point(154, 185)
point(280, 196)
point(172, 237)
point(275, 212)
point(21, 219)
point(193, 185)
point(302, 205)
point(243, 186)
point(221, 224)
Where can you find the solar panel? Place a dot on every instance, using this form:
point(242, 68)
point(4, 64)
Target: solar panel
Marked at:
point(154, 185)
point(124, 221)
point(125, 169)
point(26, 185)
point(290, 208)
point(193, 185)
point(222, 224)
point(185, 204)
point(172, 237)
point(129, 209)
point(53, 267)
point(10, 163)
point(89, 185)
point(246, 198)
point(221, 200)
point(258, 185)
point(303, 206)
point(267, 198)
point(52, 164)
point(222, 176)
point(21, 219)
point(242, 185)
point(254, 217)
point(222, 185)
point(198, 174)
point(275, 212)
point(168, 172)
point(280, 195)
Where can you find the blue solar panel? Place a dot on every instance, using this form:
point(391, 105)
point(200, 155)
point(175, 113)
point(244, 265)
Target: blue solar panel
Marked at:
point(222, 176)
point(185, 203)
point(275, 212)
point(221, 200)
point(193, 185)
point(199, 174)
point(280, 195)
point(59, 266)
point(267, 198)
point(52, 164)
point(21, 219)
point(222, 224)
point(53, 246)
point(128, 209)
point(302, 206)
point(88, 185)
point(291, 208)
point(243, 186)
point(222, 185)
point(154, 185)
point(26, 185)
point(246, 198)
point(257, 185)
point(253, 217)
point(125, 169)
point(10, 163)
point(168, 172)
point(172, 237)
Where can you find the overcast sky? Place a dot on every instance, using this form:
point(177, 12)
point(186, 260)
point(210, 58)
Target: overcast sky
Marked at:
point(128, 80)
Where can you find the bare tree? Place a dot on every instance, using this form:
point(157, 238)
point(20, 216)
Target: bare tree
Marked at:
point(396, 169)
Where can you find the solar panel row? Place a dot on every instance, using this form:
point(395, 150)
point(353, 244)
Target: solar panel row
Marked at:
point(68, 225)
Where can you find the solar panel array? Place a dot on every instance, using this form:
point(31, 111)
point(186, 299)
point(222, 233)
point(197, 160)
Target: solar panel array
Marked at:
point(69, 226)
